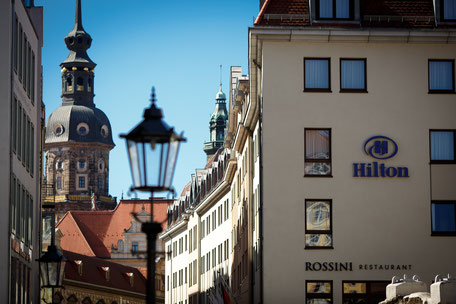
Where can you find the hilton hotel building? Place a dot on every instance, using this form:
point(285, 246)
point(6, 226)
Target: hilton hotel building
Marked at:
point(357, 160)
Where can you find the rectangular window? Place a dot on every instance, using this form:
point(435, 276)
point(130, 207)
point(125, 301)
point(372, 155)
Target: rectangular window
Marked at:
point(21, 51)
point(29, 69)
point(190, 282)
point(27, 146)
point(134, 247)
point(317, 152)
point(185, 242)
point(319, 292)
point(353, 75)
point(100, 183)
point(81, 181)
point(14, 124)
point(442, 146)
point(24, 135)
point(441, 76)
point(59, 182)
point(363, 292)
point(19, 131)
point(32, 148)
point(195, 238)
point(318, 224)
point(448, 10)
point(24, 61)
point(334, 9)
point(16, 31)
point(32, 80)
point(317, 75)
point(194, 271)
point(443, 218)
point(13, 204)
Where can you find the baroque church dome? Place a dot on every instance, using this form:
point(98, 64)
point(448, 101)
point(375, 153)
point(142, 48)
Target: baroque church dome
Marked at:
point(78, 123)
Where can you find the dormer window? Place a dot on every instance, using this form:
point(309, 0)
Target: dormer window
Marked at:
point(449, 10)
point(334, 9)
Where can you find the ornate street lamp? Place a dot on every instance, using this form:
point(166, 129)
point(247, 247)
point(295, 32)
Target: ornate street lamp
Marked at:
point(152, 148)
point(52, 268)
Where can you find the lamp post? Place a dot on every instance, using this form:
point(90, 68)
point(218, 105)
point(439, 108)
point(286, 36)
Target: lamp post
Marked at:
point(52, 264)
point(152, 148)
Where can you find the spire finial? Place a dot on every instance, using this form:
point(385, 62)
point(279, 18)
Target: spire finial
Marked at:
point(152, 98)
point(77, 18)
point(220, 78)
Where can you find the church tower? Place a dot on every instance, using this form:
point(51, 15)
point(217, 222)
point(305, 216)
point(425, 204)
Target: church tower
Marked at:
point(78, 135)
point(217, 125)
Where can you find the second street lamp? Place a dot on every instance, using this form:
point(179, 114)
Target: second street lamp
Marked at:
point(152, 148)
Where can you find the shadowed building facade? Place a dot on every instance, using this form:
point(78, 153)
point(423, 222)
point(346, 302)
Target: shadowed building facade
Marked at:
point(78, 135)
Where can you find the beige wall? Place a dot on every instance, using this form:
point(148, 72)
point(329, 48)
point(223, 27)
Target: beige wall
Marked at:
point(375, 220)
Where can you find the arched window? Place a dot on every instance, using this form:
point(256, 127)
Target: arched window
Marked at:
point(69, 84)
point(80, 84)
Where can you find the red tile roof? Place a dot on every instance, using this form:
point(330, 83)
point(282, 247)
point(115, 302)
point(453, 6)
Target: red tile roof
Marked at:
point(93, 274)
point(93, 233)
point(374, 13)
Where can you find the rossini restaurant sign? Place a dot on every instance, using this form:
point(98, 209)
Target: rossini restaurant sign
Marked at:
point(350, 266)
point(380, 148)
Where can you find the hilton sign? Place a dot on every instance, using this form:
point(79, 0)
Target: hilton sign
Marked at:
point(380, 148)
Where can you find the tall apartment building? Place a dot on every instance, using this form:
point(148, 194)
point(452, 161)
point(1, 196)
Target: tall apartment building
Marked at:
point(357, 162)
point(22, 118)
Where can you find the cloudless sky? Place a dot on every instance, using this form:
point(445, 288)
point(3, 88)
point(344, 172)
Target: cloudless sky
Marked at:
point(176, 46)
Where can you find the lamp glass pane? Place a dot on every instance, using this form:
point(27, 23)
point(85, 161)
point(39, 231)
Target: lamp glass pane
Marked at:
point(134, 162)
point(43, 274)
point(62, 272)
point(172, 158)
point(52, 267)
point(153, 152)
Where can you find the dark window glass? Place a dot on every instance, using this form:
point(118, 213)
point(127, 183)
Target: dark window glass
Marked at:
point(353, 74)
point(363, 292)
point(449, 9)
point(81, 181)
point(441, 76)
point(442, 146)
point(316, 75)
point(317, 152)
point(318, 227)
point(59, 183)
point(444, 218)
point(134, 247)
point(334, 9)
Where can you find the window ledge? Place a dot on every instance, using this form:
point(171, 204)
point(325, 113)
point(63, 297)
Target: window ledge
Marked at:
point(309, 175)
point(441, 92)
point(442, 162)
point(312, 248)
point(317, 91)
point(335, 20)
point(448, 233)
point(353, 91)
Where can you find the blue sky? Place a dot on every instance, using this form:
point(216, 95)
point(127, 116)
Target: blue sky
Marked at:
point(176, 46)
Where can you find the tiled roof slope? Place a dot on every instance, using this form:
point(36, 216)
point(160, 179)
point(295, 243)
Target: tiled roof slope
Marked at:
point(93, 274)
point(374, 13)
point(93, 233)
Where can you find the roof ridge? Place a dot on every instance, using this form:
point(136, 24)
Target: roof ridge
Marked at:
point(262, 11)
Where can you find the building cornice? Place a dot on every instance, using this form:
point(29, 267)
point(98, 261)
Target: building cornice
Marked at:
point(209, 201)
point(351, 35)
point(174, 229)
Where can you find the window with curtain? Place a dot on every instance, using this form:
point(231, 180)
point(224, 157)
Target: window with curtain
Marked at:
point(318, 227)
point(334, 9)
point(449, 9)
point(441, 76)
point(442, 146)
point(443, 218)
point(316, 75)
point(319, 292)
point(317, 152)
point(353, 75)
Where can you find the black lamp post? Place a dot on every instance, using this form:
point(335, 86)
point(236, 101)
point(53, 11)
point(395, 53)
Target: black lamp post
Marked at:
point(152, 148)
